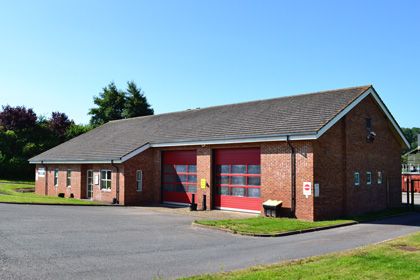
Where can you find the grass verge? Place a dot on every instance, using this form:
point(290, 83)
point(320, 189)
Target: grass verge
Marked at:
point(9, 194)
point(263, 225)
point(277, 226)
point(396, 259)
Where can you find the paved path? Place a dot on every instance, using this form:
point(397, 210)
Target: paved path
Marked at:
point(73, 242)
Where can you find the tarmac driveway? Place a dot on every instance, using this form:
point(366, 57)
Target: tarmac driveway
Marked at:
point(74, 242)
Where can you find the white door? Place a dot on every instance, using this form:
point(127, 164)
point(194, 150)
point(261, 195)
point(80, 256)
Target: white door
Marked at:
point(89, 184)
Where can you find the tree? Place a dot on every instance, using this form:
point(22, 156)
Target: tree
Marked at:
point(77, 129)
point(59, 123)
point(17, 118)
point(110, 105)
point(411, 135)
point(136, 102)
point(23, 135)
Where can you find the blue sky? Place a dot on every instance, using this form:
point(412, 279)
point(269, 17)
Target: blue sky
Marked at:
point(56, 55)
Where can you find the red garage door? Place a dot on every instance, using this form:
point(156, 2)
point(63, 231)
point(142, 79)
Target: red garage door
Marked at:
point(238, 179)
point(179, 178)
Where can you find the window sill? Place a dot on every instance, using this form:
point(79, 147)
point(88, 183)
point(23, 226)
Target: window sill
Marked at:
point(139, 191)
point(105, 190)
point(68, 186)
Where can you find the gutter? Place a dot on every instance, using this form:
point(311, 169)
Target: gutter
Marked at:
point(117, 198)
point(292, 177)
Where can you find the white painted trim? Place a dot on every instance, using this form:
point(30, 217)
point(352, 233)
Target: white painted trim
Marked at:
point(238, 210)
point(235, 141)
point(390, 117)
point(343, 113)
point(134, 152)
point(74, 162)
point(378, 100)
point(175, 203)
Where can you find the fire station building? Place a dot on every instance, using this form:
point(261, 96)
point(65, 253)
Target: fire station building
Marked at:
point(323, 154)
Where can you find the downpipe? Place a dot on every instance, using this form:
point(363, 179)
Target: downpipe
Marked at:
point(293, 176)
point(116, 200)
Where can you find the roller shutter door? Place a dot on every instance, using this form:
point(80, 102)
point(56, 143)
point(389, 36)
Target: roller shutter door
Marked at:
point(238, 179)
point(179, 176)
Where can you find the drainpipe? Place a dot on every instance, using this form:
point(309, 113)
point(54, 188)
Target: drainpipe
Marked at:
point(117, 199)
point(293, 175)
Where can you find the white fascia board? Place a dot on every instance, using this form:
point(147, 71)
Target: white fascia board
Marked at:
point(390, 118)
point(74, 161)
point(135, 152)
point(344, 112)
point(235, 141)
point(372, 92)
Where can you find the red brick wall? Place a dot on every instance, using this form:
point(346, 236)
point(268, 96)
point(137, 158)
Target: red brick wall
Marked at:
point(148, 162)
point(343, 150)
point(78, 182)
point(102, 194)
point(276, 175)
point(62, 187)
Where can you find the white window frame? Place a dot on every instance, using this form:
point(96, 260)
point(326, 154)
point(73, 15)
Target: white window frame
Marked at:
point(356, 181)
point(380, 179)
point(368, 178)
point(106, 179)
point(56, 172)
point(68, 178)
point(139, 180)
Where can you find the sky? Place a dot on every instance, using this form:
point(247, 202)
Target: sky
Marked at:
point(57, 55)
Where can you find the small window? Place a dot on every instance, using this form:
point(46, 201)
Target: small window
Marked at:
point(68, 177)
point(56, 177)
point(379, 177)
point(106, 179)
point(369, 178)
point(368, 124)
point(139, 179)
point(356, 179)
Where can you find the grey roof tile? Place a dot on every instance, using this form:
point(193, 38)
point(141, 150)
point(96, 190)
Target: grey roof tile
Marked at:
point(298, 114)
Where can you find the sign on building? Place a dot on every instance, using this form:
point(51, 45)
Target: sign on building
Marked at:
point(307, 189)
point(41, 172)
point(203, 183)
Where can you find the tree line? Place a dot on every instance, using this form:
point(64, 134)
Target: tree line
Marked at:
point(24, 134)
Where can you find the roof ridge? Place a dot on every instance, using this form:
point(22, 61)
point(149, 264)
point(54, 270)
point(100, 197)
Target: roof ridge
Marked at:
point(247, 102)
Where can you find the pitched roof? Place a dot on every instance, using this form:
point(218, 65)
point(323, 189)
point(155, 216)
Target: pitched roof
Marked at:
point(299, 116)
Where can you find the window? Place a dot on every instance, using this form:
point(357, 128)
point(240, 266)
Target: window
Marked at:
point(239, 180)
point(56, 177)
point(369, 178)
point(139, 179)
point(106, 179)
point(368, 124)
point(180, 178)
point(68, 177)
point(356, 178)
point(379, 177)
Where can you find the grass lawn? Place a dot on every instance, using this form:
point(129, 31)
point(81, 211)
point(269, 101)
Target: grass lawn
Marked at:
point(396, 259)
point(8, 193)
point(272, 226)
point(262, 225)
